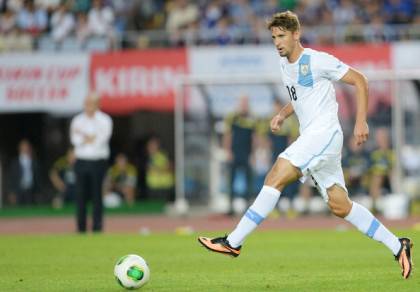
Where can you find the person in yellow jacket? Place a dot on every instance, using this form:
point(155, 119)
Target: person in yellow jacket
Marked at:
point(159, 171)
point(238, 141)
point(121, 178)
point(63, 179)
point(382, 164)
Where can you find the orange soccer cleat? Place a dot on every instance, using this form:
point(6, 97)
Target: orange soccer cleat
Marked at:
point(220, 245)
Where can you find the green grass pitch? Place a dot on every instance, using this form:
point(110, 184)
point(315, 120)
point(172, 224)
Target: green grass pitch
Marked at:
point(270, 261)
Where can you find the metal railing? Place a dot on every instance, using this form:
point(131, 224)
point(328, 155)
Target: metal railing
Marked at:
point(337, 34)
point(312, 35)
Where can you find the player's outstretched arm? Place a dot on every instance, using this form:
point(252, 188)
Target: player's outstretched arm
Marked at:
point(278, 119)
point(358, 80)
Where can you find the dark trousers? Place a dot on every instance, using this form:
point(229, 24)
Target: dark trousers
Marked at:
point(234, 168)
point(89, 179)
point(25, 197)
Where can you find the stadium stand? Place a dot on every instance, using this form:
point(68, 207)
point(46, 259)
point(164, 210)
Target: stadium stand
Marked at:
point(47, 24)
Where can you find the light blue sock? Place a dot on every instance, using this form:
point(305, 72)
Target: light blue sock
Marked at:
point(363, 219)
point(256, 213)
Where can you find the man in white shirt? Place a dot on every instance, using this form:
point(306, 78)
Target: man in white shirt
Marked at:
point(90, 132)
point(307, 75)
point(100, 19)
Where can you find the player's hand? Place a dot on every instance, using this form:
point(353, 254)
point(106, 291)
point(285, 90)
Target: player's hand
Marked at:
point(361, 132)
point(276, 123)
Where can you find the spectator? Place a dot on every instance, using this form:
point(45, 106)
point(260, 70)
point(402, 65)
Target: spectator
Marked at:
point(398, 11)
point(82, 6)
point(279, 141)
point(101, 20)
point(159, 172)
point(371, 8)
point(7, 22)
point(181, 13)
point(24, 177)
point(356, 168)
point(31, 19)
point(285, 136)
point(344, 13)
point(382, 162)
point(237, 140)
point(261, 160)
point(90, 133)
point(121, 178)
point(241, 14)
point(49, 5)
point(223, 32)
point(82, 28)
point(377, 31)
point(354, 33)
point(122, 10)
point(13, 5)
point(265, 9)
point(63, 178)
point(62, 22)
point(212, 13)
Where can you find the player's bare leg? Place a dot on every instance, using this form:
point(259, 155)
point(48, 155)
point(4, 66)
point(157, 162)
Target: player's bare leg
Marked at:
point(362, 219)
point(338, 201)
point(281, 174)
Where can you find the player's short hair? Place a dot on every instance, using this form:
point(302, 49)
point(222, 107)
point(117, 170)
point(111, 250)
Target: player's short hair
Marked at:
point(286, 20)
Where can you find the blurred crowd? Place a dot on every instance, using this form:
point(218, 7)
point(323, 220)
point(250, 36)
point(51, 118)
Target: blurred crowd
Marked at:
point(115, 24)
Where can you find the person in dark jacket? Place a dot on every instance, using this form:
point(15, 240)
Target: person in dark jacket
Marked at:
point(24, 176)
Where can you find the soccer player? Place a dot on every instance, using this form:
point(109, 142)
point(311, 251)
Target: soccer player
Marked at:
point(308, 75)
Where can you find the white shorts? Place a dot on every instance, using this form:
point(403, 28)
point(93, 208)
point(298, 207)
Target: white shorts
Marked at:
point(318, 155)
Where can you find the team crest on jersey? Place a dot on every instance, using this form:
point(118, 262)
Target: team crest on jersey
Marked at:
point(305, 74)
point(304, 69)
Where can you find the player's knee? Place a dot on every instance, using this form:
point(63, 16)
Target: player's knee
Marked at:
point(338, 201)
point(281, 174)
point(339, 209)
point(276, 183)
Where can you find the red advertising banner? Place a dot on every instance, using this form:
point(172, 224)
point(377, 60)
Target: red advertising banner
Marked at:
point(362, 56)
point(134, 80)
point(366, 58)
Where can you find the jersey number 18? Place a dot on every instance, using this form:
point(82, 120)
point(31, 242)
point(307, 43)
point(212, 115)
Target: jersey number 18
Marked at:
point(292, 92)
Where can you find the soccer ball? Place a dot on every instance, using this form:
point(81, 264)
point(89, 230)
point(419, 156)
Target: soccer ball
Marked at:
point(131, 271)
